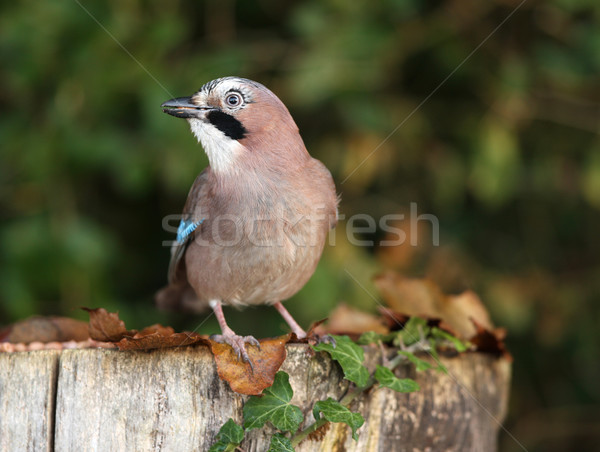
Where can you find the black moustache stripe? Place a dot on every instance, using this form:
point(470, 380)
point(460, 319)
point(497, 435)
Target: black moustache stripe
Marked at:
point(227, 124)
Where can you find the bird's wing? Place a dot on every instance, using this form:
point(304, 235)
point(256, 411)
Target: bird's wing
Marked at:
point(191, 219)
point(328, 189)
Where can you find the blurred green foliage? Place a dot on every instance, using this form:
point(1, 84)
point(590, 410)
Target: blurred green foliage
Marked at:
point(505, 152)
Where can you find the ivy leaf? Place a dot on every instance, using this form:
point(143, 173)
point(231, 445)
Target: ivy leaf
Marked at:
point(386, 378)
point(419, 363)
point(350, 356)
point(370, 337)
point(280, 443)
point(222, 447)
point(413, 331)
point(274, 406)
point(229, 437)
point(433, 352)
point(334, 411)
point(459, 345)
point(231, 432)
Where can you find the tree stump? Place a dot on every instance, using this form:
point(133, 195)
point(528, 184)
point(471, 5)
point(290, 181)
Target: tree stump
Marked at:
point(173, 400)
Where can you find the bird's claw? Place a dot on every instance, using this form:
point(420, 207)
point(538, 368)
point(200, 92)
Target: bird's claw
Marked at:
point(238, 344)
point(326, 339)
point(315, 339)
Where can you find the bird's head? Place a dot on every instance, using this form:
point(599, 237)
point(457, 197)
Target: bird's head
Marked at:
point(238, 120)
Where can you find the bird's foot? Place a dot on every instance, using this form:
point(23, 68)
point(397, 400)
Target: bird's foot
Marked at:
point(237, 343)
point(326, 339)
point(315, 339)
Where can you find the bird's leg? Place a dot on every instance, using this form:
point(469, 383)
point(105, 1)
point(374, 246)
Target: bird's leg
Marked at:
point(228, 336)
point(297, 329)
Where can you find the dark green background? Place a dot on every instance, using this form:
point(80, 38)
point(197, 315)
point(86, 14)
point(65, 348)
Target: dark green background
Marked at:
point(506, 153)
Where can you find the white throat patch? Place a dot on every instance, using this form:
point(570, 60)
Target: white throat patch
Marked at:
point(221, 150)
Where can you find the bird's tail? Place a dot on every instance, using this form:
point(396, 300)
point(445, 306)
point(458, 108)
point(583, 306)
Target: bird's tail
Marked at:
point(179, 298)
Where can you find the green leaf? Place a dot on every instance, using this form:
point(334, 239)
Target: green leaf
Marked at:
point(231, 432)
point(222, 447)
point(386, 378)
point(433, 352)
point(334, 411)
point(350, 356)
point(459, 345)
point(280, 443)
point(274, 406)
point(229, 437)
point(370, 337)
point(419, 363)
point(413, 331)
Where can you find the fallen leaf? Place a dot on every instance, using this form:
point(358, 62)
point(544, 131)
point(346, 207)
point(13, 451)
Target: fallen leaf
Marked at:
point(159, 336)
point(46, 329)
point(393, 319)
point(315, 329)
point(5, 333)
point(106, 326)
point(346, 320)
point(490, 341)
point(411, 297)
point(461, 310)
point(244, 378)
point(423, 298)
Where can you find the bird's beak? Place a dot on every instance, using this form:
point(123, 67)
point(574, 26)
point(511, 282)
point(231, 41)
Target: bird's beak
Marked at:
point(183, 107)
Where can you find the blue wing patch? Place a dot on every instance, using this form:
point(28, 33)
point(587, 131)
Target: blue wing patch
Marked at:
point(185, 229)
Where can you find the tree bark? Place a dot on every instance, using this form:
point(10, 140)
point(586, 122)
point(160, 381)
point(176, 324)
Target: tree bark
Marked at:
point(173, 400)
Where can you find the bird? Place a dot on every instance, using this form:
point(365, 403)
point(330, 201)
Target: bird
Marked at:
point(257, 218)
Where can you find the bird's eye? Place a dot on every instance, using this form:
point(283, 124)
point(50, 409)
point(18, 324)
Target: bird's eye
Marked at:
point(233, 100)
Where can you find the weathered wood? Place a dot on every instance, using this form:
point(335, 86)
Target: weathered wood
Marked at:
point(173, 400)
point(27, 396)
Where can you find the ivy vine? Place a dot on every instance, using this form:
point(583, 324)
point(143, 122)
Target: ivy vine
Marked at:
point(274, 405)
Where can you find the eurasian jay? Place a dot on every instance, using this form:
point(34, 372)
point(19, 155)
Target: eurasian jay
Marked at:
point(257, 218)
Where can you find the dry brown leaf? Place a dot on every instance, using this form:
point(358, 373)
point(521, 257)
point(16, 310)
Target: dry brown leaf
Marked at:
point(393, 319)
point(5, 333)
point(423, 298)
point(314, 330)
point(106, 326)
point(490, 341)
point(46, 329)
point(350, 321)
point(241, 376)
point(463, 309)
point(412, 297)
point(158, 336)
